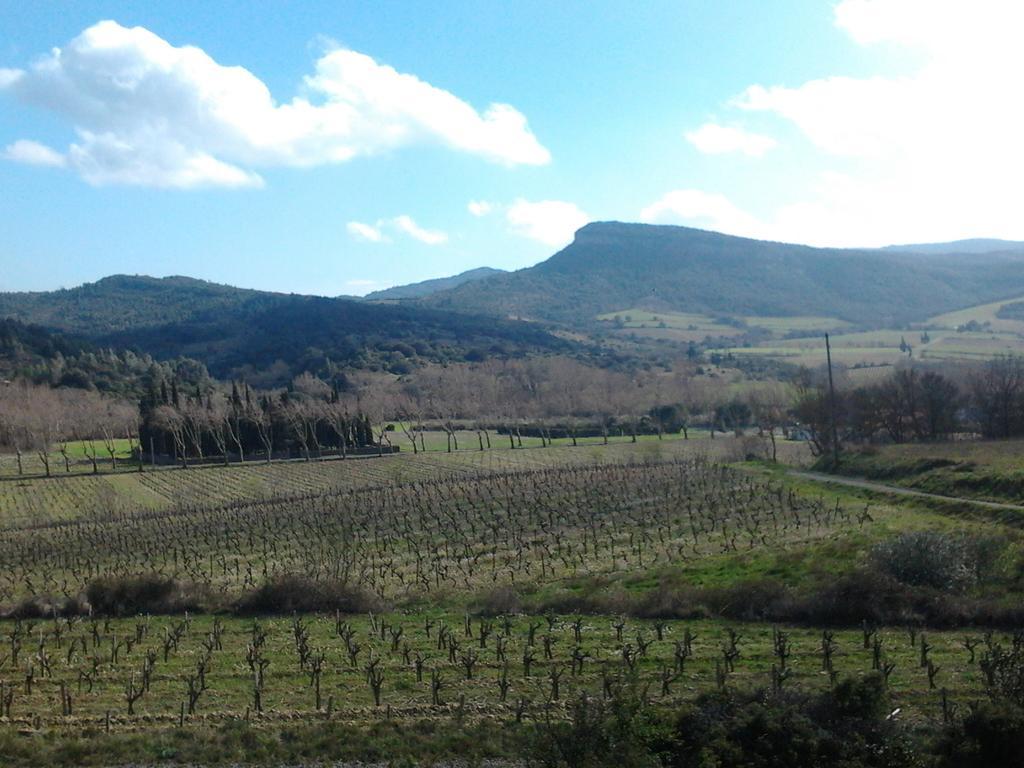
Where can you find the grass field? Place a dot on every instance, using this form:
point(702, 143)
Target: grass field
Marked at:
point(882, 348)
point(687, 327)
point(982, 313)
point(79, 459)
point(989, 470)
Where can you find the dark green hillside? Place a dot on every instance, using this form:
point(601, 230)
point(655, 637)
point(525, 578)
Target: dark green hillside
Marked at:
point(427, 287)
point(20, 343)
point(121, 302)
point(234, 331)
point(613, 266)
point(310, 333)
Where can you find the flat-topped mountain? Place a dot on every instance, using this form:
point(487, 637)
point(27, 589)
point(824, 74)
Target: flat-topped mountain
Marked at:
point(611, 266)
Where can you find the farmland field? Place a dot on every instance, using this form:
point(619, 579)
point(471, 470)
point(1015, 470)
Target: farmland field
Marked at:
point(487, 588)
point(431, 665)
point(981, 314)
point(60, 497)
point(432, 555)
point(687, 327)
point(882, 348)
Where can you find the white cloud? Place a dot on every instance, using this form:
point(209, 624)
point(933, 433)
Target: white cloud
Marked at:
point(413, 230)
point(479, 207)
point(367, 232)
point(935, 152)
point(9, 76)
point(147, 112)
point(552, 222)
point(714, 139)
point(33, 153)
point(706, 210)
point(375, 233)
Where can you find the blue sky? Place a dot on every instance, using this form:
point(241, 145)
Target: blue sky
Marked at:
point(357, 147)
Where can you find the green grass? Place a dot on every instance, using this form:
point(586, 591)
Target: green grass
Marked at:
point(986, 470)
point(289, 696)
point(874, 348)
point(981, 313)
point(685, 326)
point(80, 449)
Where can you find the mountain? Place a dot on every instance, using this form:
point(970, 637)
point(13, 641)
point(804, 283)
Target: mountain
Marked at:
point(979, 245)
point(427, 287)
point(241, 332)
point(611, 266)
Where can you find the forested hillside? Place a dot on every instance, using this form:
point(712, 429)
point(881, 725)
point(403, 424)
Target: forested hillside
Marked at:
point(238, 332)
point(612, 266)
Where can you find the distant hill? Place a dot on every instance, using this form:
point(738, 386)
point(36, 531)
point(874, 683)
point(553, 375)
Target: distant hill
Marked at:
point(427, 287)
point(23, 346)
point(611, 266)
point(237, 332)
point(978, 245)
point(121, 302)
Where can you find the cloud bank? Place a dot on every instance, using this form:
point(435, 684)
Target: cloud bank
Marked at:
point(932, 153)
point(148, 113)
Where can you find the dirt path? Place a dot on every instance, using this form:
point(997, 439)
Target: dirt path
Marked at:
point(871, 485)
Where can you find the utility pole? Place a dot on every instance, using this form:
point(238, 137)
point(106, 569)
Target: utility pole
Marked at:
point(832, 404)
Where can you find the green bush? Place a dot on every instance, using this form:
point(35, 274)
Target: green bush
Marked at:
point(927, 559)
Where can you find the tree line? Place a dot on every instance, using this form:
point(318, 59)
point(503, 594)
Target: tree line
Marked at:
point(197, 419)
point(913, 404)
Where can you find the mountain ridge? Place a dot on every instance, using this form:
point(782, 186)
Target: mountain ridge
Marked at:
point(244, 332)
point(426, 287)
point(611, 266)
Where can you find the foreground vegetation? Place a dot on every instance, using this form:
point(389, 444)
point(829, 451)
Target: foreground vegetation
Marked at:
point(989, 470)
point(563, 690)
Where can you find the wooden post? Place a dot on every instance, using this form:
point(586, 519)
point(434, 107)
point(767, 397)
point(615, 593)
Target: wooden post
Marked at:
point(832, 404)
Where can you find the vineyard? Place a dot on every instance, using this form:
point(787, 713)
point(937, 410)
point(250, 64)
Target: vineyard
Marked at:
point(178, 671)
point(418, 589)
point(415, 538)
point(58, 498)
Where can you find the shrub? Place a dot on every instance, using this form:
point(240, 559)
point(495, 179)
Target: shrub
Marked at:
point(501, 600)
point(620, 732)
point(146, 593)
point(847, 728)
point(299, 594)
point(927, 559)
point(44, 607)
point(990, 736)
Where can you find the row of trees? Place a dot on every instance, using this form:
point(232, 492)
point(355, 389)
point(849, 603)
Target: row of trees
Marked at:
point(42, 421)
point(544, 397)
point(916, 405)
point(309, 419)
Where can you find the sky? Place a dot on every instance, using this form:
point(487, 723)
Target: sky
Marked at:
point(341, 147)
